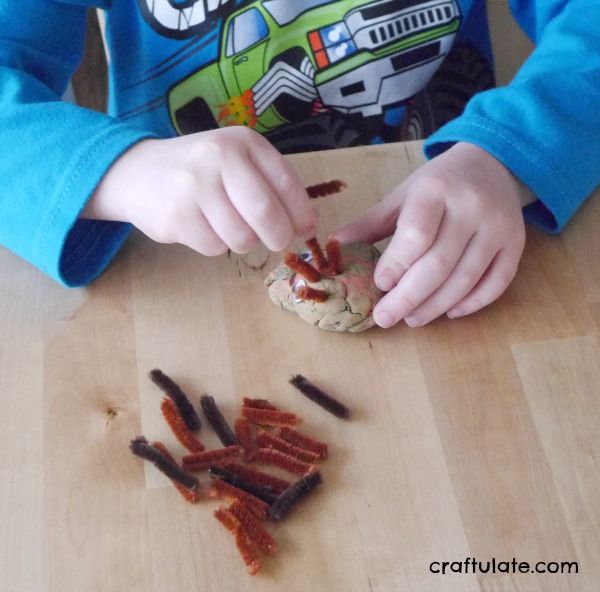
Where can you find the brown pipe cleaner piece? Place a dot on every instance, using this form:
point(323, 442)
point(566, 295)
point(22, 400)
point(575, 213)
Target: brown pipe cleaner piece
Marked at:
point(308, 293)
point(316, 395)
point(245, 435)
point(201, 461)
point(242, 539)
point(334, 256)
point(254, 529)
point(270, 482)
point(258, 404)
point(301, 267)
point(270, 456)
point(303, 441)
point(247, 552)
point(178, 426)
point(293, 494)
point(272, 417)
point(140, 447)
point(217, 421)
point(191, 495)
point(325, 189)
point(317, 254)
point(172, 389)
point(221, 489)
point(227, 519)
point(266, 440)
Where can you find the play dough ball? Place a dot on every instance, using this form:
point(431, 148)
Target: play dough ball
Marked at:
point(352, 295)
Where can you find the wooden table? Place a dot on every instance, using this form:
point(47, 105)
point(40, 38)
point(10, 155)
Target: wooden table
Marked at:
point(470, 438)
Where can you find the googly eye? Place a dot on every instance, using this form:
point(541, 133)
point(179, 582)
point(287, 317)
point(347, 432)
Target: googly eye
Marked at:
point(298, 283)
point(305, 256)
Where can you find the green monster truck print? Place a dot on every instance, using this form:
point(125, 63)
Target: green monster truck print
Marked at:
point(283, 61)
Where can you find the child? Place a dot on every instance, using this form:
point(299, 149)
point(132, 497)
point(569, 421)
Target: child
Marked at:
point(306, 74)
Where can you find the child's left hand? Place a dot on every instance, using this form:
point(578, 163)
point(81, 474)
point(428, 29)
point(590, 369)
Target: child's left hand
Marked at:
point(458, 237)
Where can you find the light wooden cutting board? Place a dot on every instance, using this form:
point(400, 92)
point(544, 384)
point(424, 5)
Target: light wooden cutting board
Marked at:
point(470, 438)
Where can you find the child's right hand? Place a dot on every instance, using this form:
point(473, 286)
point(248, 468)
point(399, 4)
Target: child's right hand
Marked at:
point(212, 191)
point(457, 236)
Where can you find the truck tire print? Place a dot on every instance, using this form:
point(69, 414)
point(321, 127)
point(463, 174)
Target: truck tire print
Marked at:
point(180, 19)
point(195, 116)
point(464, 73)
point(322, 132)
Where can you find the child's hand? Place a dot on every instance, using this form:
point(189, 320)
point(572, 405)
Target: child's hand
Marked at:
point(227, 188)
point(458, 237)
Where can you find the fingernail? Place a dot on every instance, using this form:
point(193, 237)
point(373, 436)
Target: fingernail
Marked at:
point(385, 280)
point(413, 321)
point(383, 319)
point(455, 312)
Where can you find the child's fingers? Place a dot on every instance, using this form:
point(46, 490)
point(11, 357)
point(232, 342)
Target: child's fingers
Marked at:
point(492, 285)
point(377, 223)
point(478, 256)
point(416, 229)
point(226, 221)
point(286, 184)
point(196, 233)
point(423, 278)
point(258, 205)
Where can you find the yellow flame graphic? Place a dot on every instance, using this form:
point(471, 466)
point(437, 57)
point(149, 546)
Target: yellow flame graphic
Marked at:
point(239, 110)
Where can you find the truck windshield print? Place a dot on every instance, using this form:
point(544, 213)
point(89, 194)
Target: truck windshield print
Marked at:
point(281, 61)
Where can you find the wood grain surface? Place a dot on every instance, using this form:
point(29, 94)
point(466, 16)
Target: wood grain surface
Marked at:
point(470, 438)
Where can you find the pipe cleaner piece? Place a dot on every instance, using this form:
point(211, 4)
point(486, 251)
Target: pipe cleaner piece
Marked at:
point(258, 403)
point(247, 552)
point(254, 529)
point(301, 267)
point(270, 482)
point(321, 398)
point(227, 519)
point(191, 495)
point(228, 476)
point(334, 257)
point(270, 417)
point(308, 293)
point(245, 435)
point(303, 441)
point(325, 189)
point(172, 389)
point(178, 426)
point(140, 447)
point(266, 440)
point(317, 254)
point(201, 461)
point(217, 421)
point(223, 490)
point(270, 456)
point(293, 494)
point(242, 539)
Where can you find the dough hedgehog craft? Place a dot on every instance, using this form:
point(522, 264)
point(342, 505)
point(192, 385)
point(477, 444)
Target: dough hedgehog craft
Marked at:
point(334, 292)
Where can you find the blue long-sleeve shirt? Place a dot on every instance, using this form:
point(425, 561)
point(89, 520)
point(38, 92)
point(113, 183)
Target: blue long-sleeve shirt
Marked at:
point(308, 74)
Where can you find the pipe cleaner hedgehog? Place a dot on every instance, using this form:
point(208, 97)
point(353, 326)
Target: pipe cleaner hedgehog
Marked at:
point(335, 293)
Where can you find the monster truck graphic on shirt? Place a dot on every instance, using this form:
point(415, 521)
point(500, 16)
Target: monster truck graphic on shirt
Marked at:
point(282, 60)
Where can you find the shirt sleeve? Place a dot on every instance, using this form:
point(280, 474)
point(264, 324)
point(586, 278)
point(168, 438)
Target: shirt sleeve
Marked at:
point(52, 154)
point(545, 125)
